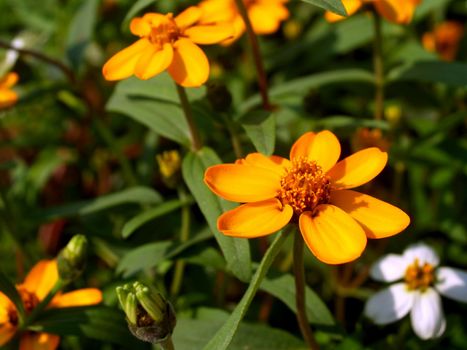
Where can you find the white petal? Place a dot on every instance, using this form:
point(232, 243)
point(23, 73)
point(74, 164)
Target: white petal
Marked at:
point(423, 253)
point(427, 315)
point(389, 268)
point(452, 283)
point(389, 305)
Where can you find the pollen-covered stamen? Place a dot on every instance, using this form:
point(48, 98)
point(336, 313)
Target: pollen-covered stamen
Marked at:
point(304, 186)
point(30, 301)
point(419, 276)
point(165, 32)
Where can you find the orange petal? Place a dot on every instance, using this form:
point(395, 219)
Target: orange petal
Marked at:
point(266, 17)
point(80, 297)
point(140, 26)
point(323, 147)
point(7, 98)
point(358, 169)
point(154, 61)
point(5, 304)
point(190, 66)
point(274, 163)
point(188, 17)
point(255, 219)
point(332, 235)
point(39, 341)
point(122, 64)
point(397, 11)
point(239, 29)
point(379, 219)
point(210, 34)
point(6, 333)
point(351, 6)
point(42, 278)
point(242, 183)
point(9, 80)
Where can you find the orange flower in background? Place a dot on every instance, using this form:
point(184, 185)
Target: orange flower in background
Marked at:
point(397, 11)
point(365, 138)
point(311, 188)
point(444, 39)
point(265, 15)
point(168, 43)
point(36, 286)
point(7, 96)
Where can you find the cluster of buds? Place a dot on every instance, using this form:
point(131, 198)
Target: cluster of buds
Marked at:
point(149, 315)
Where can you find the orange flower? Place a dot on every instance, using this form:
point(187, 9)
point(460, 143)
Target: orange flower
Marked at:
point(311, 188)
point(7, 96)
point(168, 43)
point(397, 11)
point(365, 137)
point(265, 15)
point(444, 39)
point(38, 283)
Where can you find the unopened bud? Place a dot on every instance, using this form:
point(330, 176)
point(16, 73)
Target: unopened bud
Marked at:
point(150, 317)
point(393, 114)
point(72, 259)
point(169, 166)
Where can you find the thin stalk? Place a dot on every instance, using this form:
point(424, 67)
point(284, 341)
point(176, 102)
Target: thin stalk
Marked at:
point(40, 56)
point(194, 135)
point(262, 79)
point(378, 66)
point(167, 344)
point(299, 272)
point(184, 235)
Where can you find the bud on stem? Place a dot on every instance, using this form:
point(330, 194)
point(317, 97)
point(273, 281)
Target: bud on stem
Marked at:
point(72, 259)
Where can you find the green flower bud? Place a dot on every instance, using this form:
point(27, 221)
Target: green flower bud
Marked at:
point(150, 317)
point(72, 259)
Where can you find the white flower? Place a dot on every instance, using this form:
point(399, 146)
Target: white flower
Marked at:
point(418, 291)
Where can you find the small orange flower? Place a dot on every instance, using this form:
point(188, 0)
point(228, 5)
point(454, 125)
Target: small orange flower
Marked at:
point(168, 43)
point(444, 39)
point(397, 11)
point(265, 15)
point(311, 188)
point(365, 138)
point(38, 283)
point(7, 96)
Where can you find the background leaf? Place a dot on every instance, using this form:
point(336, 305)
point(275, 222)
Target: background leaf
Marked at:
point(335, 6)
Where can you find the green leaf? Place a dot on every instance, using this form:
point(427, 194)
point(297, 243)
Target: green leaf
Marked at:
point(9, 289)
point(335, 6)
point(450, 73)
point(260, 126)
point(137, 7)
point(346, 122)
point(298, 86)
point(149, 255)
point(139, 220)
point(97, 322)
point(81, 31)
point(282, 286)
point(193, 333)
point(137, 194)
point(236, 250)
point(224, 336)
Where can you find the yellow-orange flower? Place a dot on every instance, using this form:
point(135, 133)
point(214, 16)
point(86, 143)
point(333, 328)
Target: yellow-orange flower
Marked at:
point(7, 96)
point(265, 15)
point(311, 188)
point(397, 11)
point(444, 39)
point(168, 42)
point(36, 286)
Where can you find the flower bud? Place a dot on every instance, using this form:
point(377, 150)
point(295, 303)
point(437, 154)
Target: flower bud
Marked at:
point(150, 317)
point(393, 114)
point(169, 166)
point(72, 259)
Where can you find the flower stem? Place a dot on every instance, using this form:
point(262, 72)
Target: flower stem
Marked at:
point(299, 272)
point(194, 135)
point(378, 66)
point(184, 235)
point(262, 79)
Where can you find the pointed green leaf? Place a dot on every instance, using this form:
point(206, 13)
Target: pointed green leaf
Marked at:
point(335, 6)
point(260, 126)
point(9, 289)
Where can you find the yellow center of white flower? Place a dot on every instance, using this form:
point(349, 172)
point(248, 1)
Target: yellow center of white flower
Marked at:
point(304, 186)
point(419, 277)
point(165, 32)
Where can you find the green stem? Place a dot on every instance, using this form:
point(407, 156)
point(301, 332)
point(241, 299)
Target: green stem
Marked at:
point(262, 79)
point(194, 135)
point(378, 66)
point(299, 272)
point(167, 344)
point(184, 236)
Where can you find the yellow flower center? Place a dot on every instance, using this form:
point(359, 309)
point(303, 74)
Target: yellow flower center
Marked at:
point(30, 301)
point(419, 276)
point(165, 32)
point(304, 186)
